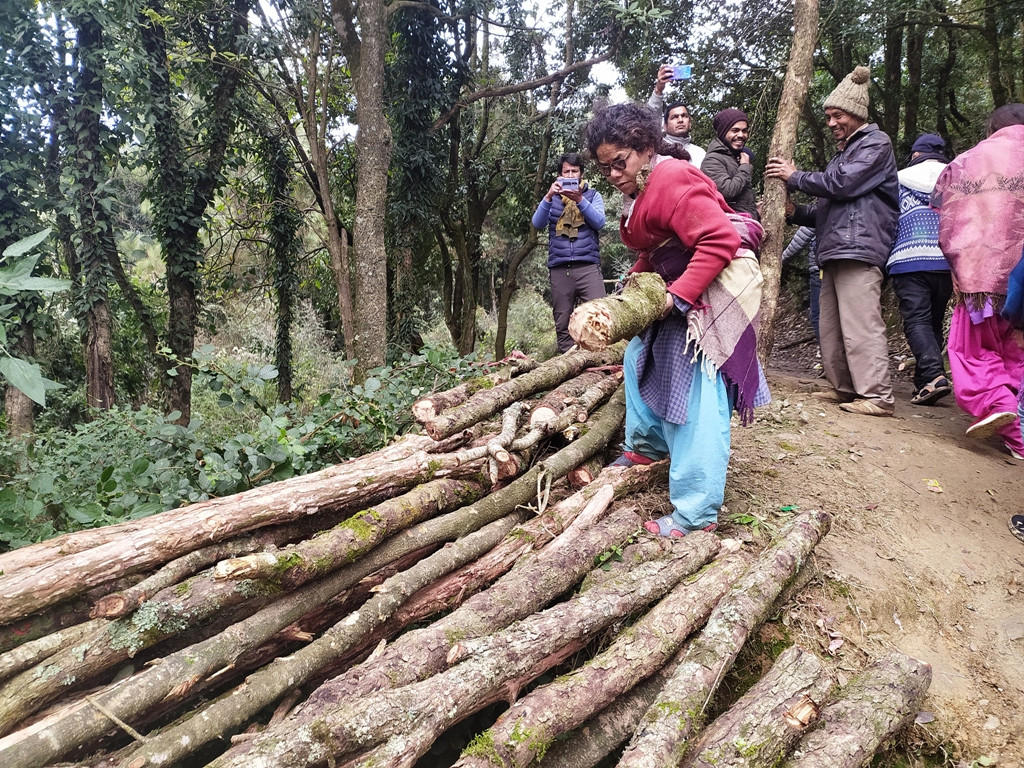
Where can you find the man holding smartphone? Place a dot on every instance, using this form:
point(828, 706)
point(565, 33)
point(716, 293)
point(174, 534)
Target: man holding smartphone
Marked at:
point(574, 216)
point(676, 114)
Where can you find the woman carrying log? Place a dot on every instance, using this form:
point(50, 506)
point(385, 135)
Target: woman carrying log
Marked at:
point(686, 372)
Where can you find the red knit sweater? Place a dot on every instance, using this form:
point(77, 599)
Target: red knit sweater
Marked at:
point(680, 201)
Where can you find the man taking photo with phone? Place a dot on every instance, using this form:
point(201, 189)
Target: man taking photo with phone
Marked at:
point(574, 216)
point(676, 114)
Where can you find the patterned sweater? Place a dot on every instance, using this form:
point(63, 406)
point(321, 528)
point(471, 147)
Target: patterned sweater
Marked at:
point(916, 247)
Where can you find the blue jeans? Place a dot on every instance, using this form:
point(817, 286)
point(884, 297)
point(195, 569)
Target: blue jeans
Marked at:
point(698, 450)
point(923, 298)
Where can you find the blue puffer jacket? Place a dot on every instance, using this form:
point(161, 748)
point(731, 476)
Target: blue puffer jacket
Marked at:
point(858, 200)
point(586, 247)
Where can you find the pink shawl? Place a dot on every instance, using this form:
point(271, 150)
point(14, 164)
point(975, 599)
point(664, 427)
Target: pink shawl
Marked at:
point(980, 199)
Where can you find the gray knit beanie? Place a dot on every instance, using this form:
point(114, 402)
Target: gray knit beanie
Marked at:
point(851, 95)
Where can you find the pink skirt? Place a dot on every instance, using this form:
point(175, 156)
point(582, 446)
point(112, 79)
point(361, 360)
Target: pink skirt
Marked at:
point(987, 368)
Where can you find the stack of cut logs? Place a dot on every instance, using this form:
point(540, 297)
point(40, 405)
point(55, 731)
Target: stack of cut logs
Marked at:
point(272, 628)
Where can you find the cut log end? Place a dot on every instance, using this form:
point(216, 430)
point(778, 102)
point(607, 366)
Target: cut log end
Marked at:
point(591, 326)
point(423, 410)
point(109, 607)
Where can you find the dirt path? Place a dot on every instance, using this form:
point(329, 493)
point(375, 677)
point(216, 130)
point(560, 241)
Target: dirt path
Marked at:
point(919, 557)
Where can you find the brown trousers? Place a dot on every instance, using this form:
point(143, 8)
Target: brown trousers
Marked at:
point(572, 285)
point(854, 348)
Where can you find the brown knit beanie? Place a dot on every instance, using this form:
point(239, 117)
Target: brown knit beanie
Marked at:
point(851, 95)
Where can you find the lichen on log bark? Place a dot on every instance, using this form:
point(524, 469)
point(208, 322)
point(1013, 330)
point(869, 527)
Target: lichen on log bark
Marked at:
point(872, 707)
point(755, 732)
point(523, 733)
point(428, 707)
point(678, 712)
point(600, 322)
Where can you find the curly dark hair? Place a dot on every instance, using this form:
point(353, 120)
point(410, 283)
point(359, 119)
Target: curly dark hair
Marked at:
point(624, 125)
point(1006, 115)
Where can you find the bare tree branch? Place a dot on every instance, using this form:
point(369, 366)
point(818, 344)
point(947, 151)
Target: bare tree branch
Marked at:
point(526, 85)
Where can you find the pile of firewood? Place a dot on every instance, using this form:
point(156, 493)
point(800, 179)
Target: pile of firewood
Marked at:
point(272, 628)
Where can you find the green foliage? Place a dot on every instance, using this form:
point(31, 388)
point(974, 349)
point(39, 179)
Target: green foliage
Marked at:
point(17, 280)
point(531, 327)
point(128, 464)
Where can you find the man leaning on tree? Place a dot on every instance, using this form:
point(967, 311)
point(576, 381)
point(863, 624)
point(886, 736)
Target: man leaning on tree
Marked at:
point(855, 220)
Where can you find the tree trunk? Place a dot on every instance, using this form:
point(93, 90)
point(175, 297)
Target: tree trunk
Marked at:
point(990, 33)
point(398, 719)
point(638, 653)
point(95, 233)
point(508, 287)
point(942, 90)
point(264, 687)
point(183, 191)
point(315, 124)
point(486, 403)
point(799, 72)
point(875, 705)
point(600, 322)
point(427, 408)
point(373, 147)
point(764, 723)
point(18, 407)
point(672, 720)
point(175, 532)
point(912, 107)
point(892, 96)
point(532, 536)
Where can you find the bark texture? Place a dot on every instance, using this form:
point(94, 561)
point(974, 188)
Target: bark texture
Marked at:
point(366, 480)
point(532, 536)
point(607, 730)
point(553, 403)
point(871, 708)
point(524, 732)
point(406, 720)
point(755, 732)
point(678, 712)
point(598, 323)
point(353, 537)
point(267, 685)
point(799, 72)
point(180, 608)
point(425, 409)
point(486, 403)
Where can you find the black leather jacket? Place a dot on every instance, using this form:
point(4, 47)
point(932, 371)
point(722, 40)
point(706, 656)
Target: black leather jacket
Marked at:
point(858, 200)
